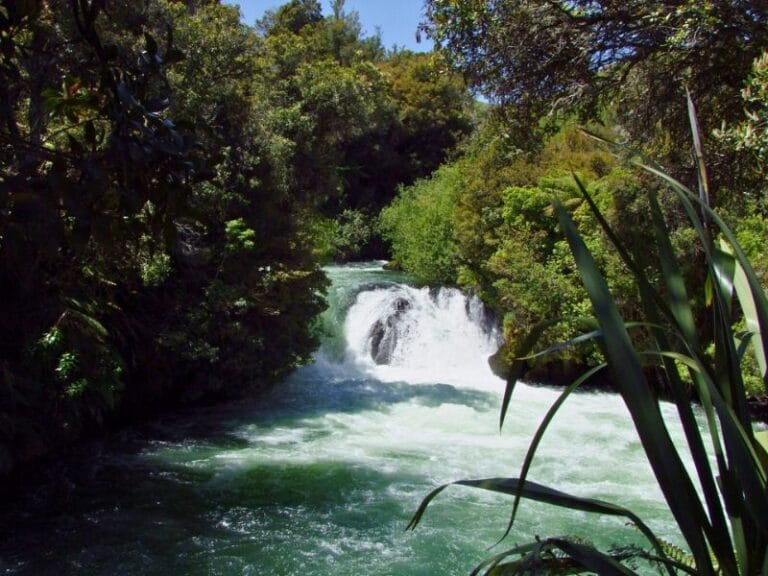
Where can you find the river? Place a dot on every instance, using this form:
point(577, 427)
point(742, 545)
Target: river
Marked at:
point(322, 475)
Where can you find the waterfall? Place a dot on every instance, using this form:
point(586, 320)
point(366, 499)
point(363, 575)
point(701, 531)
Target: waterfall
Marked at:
point(399, 332)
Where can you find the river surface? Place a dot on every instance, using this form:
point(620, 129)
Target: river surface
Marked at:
point(321, 476)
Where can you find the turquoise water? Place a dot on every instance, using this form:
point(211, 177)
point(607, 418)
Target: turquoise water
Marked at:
point(322, 475)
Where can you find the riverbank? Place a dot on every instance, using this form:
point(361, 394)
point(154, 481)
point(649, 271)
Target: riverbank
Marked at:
point(559, 374)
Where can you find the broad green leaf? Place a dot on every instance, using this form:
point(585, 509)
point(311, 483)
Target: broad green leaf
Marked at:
point(677, 356)
point(701, 167)
point(762, 447)
point(683, 315)
point(673, 278)
point(749, 309)
point(517, 370)
point(742, 475)
point(656, 309)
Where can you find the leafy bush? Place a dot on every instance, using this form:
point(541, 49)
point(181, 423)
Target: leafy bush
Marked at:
point(751, 135)
point(352, 233)
point(419, 227)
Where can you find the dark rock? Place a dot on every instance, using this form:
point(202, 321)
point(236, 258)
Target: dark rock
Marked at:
point(758, 408)
point(392, 266)
point(401, 305)
point(385, 334)
point(376, 335)
point(557, 372)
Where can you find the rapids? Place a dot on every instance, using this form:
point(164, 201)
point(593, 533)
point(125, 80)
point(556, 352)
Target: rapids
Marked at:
point(322, 475)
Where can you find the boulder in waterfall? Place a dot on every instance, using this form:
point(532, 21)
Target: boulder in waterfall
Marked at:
point(385, 333)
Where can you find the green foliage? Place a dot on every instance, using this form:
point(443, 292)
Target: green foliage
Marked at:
point(240, 238)
point(544, 55)
point(750, 136)
point(419, 227)
point(323, 93)
point(66, 365)
point(118, 224)
point(352, 231)
point(355, 123)
point(434, 111)
point(292, 17)
point(155, 264)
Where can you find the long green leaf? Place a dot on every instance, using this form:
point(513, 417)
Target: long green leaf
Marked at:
point(674, 481)
point(519, 366)
point(538, 557)
point(491, 562)
point(748, 478)
point(762, 443)
point(749, 308)
point(681, 317)
point(742, 481)
point(539, 435)
point(558, 556)
point(540, 493)
point(757, 294)
point(683, 314)
point(701, 167)
point(668, 563)
point(568, 344)
point(677, 294)
point(727, 370)
point(581, 339)
point(592, 559)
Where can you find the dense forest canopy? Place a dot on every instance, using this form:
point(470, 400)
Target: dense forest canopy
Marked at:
point(171, 181)
point(539, 55)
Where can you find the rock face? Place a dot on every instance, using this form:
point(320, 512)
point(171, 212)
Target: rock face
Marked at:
point(385, 334)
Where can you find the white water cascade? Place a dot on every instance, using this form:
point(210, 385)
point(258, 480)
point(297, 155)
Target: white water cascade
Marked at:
point(401, 333)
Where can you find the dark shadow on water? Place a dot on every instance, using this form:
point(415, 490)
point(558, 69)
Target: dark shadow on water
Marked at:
point(314, 396)
point(306, 394)
point(139, 516)
point(109, 507)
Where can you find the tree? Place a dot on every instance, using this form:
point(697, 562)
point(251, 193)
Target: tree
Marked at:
point(539, 56)
point(151, 250)
point(291, 17)
point(435, 111)
point(750, 136)
point(322, 92)
point(93, 171)
point(354, 122)
point(419, 226)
